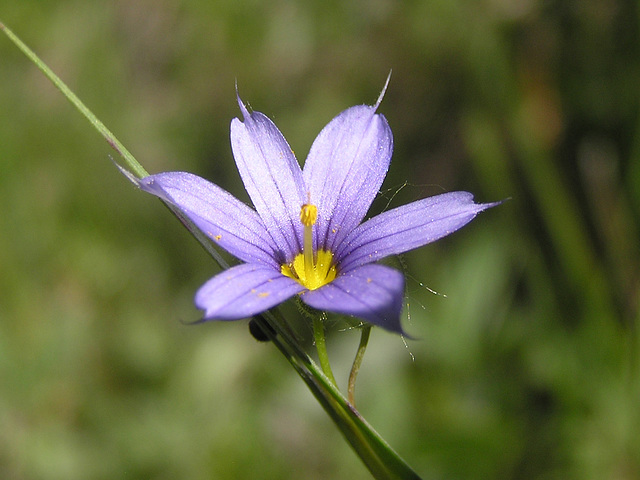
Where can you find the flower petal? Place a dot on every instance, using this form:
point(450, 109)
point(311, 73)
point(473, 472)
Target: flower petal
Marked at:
point(272, 177)
point(372, 292)
point(230, 223)
point(243, 291)
point(345, 168)
point(407, 227)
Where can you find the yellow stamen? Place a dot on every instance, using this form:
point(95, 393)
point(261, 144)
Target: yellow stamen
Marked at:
point(308, 217)
point(311, 270)
point(308, 214)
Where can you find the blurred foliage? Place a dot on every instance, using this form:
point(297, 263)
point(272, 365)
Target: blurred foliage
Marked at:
point(526, 365)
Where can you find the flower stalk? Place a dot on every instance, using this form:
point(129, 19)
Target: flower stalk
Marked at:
point(321, 346)
point(355, 368)
point(377, 455)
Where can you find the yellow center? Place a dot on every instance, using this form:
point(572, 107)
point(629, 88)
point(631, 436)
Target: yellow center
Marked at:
point(321, 273)
point(311, 269)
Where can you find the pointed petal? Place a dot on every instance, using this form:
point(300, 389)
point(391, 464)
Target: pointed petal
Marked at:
point(272, 177)
point(408, 227)
point(372, 292)
point(243, 291)
point(230, 223)
point(345, 169)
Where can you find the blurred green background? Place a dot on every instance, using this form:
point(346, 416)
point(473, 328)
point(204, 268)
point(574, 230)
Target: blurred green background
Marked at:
point(527, 369)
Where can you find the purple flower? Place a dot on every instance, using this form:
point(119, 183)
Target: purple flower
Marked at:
point(305, 236)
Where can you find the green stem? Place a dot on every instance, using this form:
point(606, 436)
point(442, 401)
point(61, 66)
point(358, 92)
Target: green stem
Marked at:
point(133, 165)
point(378, 456)
point(321, 347)
point(355, 368)
point(129, 159)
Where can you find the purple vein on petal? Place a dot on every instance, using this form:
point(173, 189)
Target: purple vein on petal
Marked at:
point(407, 227)
point(272, 177)
point(243, 291)
point(226, 220)
point(345, 168)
